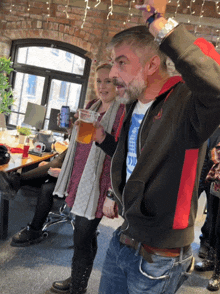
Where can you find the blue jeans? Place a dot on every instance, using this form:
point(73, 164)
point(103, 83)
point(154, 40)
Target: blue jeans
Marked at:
point(126, 272)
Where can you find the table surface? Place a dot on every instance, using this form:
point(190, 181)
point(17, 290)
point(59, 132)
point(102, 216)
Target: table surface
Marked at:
point(16, 161)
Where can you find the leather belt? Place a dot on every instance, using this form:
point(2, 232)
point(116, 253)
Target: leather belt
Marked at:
point(146, 251)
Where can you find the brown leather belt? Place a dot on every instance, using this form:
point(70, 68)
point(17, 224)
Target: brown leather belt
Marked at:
point(146, 251)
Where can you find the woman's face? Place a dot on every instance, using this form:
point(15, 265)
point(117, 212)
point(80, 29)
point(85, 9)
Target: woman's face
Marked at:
point(105, 90)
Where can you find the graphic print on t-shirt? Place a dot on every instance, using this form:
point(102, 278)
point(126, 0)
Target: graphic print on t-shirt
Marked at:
point(137, 117)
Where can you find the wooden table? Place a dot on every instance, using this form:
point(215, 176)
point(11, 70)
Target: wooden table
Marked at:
point(16, 162)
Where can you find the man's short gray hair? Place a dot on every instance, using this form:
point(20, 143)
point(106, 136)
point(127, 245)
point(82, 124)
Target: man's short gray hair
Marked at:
point(139, 37)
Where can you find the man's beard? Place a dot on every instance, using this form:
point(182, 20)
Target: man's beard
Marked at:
point(135, 88)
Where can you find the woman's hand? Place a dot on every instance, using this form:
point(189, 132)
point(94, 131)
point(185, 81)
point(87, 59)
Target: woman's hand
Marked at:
point(54, 172)
point(71, 124)
point(99, 133)
point(42, 163)
point(110, 208)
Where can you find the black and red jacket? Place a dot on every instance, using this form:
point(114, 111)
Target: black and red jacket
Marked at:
point(159, 201)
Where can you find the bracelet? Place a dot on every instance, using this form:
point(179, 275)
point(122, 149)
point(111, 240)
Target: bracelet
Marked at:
point(110, 195)
point(168, 27)
point(154, 15)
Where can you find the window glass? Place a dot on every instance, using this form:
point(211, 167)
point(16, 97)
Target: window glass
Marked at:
point(51, 58)
point(71, 98)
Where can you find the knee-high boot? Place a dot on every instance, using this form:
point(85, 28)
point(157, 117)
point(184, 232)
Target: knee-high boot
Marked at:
point(214, 282)
point(80, 273)
point(64, 286)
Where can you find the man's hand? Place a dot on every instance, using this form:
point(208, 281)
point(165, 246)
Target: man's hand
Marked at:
point(42, 163)
point(159, 5)
point(159, 23)
point(110, 208)
point(54, 172)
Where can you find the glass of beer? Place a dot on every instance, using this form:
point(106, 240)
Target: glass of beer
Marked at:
point(86, 128)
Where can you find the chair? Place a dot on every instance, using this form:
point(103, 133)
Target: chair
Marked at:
point(62, 216)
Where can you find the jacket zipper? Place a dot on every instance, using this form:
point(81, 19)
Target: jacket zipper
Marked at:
point(141, 128)
point(111, 177)
point(139, 140)
point(122, 202)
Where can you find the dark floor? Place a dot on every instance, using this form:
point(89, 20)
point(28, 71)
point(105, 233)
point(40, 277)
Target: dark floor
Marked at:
point(33, 269)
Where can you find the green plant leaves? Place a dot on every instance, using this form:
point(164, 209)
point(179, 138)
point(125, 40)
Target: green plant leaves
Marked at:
point(6, 94)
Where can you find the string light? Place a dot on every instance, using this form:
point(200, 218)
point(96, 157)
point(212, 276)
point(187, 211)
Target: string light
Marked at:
point(201, 13)
point(29, 5)
point(66, 8)
point(11, 6)
point(110, 9)
point(86, 10)
point(97, 3)
point(177, 6)
point(217, 7)
point(48, 8)
point(217, 39)
point(129, 13)
point(190, 8)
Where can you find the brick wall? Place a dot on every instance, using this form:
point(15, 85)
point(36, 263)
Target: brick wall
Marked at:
point(21, 23)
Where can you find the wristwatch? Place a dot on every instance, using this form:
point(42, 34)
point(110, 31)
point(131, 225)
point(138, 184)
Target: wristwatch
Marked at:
point(110, 194)
point(168, 27)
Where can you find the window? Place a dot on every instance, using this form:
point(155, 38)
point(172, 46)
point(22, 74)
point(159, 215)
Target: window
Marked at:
point(31, 86)
point(55, 52)
point(68, 56)
point(63, 90)
point(47, 76)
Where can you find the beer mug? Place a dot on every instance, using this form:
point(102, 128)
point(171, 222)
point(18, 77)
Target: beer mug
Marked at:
point(86, 128)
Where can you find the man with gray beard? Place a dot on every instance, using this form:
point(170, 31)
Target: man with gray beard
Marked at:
point(156, 162)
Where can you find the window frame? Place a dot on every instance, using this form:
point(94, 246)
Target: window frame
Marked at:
point(49, 74)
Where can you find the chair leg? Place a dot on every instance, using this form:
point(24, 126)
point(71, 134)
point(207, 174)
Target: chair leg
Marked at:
point(53, 219)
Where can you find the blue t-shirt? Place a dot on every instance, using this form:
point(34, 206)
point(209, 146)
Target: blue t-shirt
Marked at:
point(137, 117)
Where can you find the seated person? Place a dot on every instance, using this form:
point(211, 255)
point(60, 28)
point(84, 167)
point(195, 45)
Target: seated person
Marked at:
point(44, 176)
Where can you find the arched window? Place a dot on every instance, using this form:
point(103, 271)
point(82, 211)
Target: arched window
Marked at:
point(48, 73)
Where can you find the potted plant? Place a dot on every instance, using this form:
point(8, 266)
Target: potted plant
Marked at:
point(23, 133)
point(6, 94)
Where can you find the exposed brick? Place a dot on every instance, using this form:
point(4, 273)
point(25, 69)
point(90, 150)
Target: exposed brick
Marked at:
point(78, 10)
point(12, 18)
point(66, 29)
point(61, 28)
point(40, 17)
point(45, 25)
point(67, 38)
point(54, 35)
point(60, 35)
point(71, 30)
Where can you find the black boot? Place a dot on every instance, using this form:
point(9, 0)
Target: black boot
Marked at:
point(208, 263)
point(214, 282)
point(203, 249)
point(81, 272)
point(61, 286)
point(26, 237)
point(9, 184)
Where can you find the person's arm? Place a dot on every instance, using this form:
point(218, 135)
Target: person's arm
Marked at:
point(198, 63)
point(108, 145)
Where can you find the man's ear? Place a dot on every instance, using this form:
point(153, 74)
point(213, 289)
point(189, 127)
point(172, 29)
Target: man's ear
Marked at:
point(152, 65)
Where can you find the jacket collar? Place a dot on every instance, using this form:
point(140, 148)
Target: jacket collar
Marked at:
point(170, 83)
